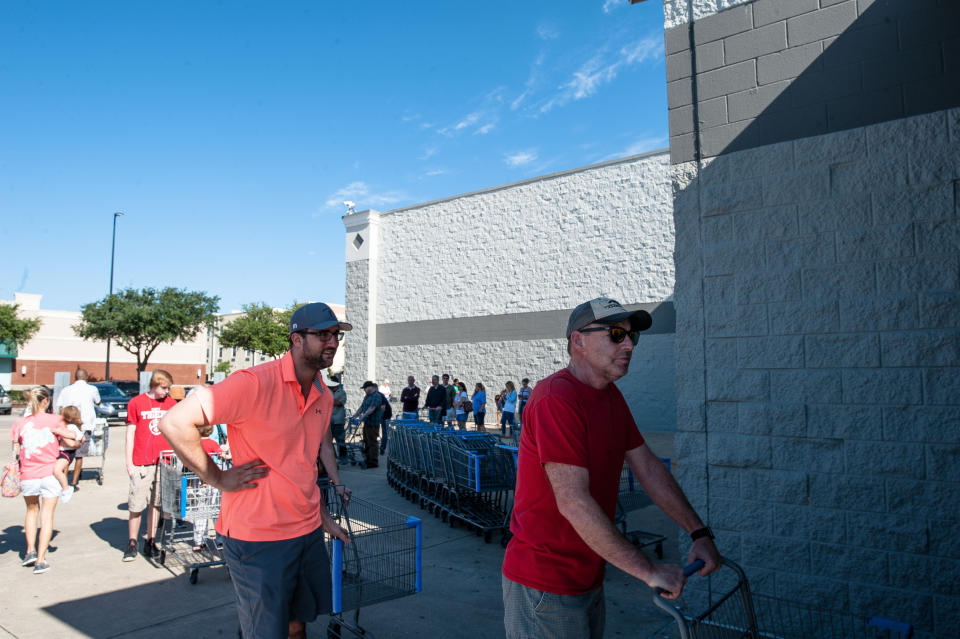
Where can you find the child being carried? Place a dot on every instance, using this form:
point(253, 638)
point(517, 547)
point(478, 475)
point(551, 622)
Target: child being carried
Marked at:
point(71, 437)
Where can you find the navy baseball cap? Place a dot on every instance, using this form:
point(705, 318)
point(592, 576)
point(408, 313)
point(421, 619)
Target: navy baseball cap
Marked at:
point(317, 317)
point(604, 310)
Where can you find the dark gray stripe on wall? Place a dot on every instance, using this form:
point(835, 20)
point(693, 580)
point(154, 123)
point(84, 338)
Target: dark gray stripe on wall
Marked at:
point(778, 70)
point(501, 328)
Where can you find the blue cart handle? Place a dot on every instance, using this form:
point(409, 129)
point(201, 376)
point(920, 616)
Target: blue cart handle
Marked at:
point(693, 567)
point(687, 571)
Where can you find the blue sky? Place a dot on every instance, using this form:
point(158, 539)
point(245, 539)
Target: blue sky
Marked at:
point(229, 133)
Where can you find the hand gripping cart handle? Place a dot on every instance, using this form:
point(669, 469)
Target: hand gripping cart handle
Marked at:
point(731, 611)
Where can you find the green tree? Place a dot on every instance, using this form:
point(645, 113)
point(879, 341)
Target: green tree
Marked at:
point(139, 320)
point(222, 367)
point(14, 331)
point(260, 328)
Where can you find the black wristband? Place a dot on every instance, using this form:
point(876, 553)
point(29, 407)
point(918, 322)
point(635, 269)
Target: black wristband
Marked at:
point(701, 532)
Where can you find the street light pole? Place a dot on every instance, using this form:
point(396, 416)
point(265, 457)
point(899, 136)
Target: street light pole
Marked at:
point(113, 246)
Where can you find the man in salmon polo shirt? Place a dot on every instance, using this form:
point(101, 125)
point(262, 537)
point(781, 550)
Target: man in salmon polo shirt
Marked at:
point(144, 443)
point(272, 515)
point(577, 431)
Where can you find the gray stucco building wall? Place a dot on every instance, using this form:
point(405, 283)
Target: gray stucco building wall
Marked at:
point(480, 285)
point(815, 150)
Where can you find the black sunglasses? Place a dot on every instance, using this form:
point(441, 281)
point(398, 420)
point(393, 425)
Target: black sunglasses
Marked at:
point(617, 334)
point(324, 335)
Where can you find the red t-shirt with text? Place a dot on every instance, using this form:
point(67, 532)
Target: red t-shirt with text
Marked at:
point(145, 413)
point(565, 422)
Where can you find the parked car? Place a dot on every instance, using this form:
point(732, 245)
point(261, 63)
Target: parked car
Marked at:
point(113, 402)
point(128, 386)
point(6, 403)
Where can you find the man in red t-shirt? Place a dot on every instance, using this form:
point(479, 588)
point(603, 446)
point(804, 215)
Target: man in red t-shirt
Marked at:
point(576, 434)
point(272, 513)
point(144, 443)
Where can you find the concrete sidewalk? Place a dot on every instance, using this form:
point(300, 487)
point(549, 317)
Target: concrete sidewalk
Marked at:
point(90, 592)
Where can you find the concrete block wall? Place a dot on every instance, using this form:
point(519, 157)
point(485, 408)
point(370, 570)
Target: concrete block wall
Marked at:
point(818, 279)
point(480, 285)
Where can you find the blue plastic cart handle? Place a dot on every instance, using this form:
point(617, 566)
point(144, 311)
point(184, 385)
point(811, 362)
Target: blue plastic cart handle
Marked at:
point(183, 496)
point(693, 567)
point(413, 522)
point(337, 569)
point(905, 629)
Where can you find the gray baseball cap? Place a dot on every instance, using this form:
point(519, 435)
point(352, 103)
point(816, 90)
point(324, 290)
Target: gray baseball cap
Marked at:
point(316, 316)
point(604, 310)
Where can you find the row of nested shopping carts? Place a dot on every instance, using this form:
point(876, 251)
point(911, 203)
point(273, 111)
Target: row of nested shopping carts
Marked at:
point(459, 476)
point(383, 560)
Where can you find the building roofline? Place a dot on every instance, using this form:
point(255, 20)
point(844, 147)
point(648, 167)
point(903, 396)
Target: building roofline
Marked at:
point(539, 178)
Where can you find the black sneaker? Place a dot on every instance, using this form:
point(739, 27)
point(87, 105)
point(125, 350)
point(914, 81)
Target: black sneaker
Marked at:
point(150, 549)
point(131, 552)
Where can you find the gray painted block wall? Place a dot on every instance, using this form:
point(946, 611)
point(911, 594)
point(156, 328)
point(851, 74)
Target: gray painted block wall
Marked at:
point(818, 305)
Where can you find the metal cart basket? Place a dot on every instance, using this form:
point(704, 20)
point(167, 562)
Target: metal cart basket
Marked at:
point(383, 560)
point(97, 447)
point(184, 498)
point(731, 611)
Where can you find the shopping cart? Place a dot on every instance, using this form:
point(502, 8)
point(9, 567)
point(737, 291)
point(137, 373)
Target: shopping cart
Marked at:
point(184, 498)
point(383, 560)
point(353, 446)
point(731, 611)
point(97, 447)
point(631, 497)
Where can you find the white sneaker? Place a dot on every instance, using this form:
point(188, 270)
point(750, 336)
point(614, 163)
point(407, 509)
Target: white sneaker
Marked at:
point(66, 494)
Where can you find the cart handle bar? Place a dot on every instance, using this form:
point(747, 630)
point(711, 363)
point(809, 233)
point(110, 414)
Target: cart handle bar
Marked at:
point(687, 571)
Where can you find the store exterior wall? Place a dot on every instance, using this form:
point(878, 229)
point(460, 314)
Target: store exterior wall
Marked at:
point(480, 285)
point(815, 152)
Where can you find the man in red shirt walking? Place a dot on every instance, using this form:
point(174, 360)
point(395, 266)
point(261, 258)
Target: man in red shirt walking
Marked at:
point(577, 432)
point(144, 443)
point(272, 514)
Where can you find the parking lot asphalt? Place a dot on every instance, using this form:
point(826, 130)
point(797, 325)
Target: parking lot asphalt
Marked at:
point(90, 592)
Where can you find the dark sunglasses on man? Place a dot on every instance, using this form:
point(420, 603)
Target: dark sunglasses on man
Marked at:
point(617, 334)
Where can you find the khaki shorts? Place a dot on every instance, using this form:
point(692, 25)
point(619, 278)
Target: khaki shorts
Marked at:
point(144, 488)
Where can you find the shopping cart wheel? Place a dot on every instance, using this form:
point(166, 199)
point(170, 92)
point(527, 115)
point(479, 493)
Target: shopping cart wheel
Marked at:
point(163, 557)
point(487, 536)
point(193, 575)
point(659, 550)
point(333, 630)
point(99, 480)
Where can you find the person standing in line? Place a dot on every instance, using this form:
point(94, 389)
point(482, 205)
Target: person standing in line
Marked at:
point(578, 433)
point(384, 389)
point(509, 408)
point(371, 414)
point(461, 401)
point(523, 396)
point(338, 419)
point(479, 406)
point(385, 418)
point(449, 413)
point(272, 514)
point(436, 396)
point(84, 396)
point(410, 399)
point(36, 448)
point(144, 443)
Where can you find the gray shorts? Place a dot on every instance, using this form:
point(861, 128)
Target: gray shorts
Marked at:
point(277, 582)
point(534, 614)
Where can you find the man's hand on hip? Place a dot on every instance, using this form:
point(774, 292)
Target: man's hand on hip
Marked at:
point(242, 477)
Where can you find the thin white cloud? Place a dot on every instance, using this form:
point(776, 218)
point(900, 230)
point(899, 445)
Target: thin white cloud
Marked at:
point(361, 193)
point(532, 80)
point(520, 158)
point(547, 32)
point(429, 152)
point(610, 5)
point(486, 128)
point(638, 146)
point(434, 172)
point(602, 69)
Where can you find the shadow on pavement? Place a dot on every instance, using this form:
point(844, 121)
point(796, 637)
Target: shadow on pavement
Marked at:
point(12, 540)
point(112, 530)
point(149, 609)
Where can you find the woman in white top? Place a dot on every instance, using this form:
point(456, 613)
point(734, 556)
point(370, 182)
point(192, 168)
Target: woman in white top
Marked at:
point(460, 401)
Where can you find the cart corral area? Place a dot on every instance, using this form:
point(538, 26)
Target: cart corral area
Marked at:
point(90, 592)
